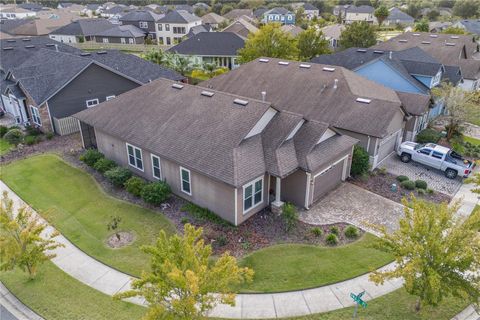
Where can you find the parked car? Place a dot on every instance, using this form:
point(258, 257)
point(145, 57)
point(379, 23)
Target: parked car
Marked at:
point(435, 156)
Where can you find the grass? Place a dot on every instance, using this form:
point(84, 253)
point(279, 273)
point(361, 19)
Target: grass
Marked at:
point(5, 147)
point(74, 203)
point(54, 294)
point(294, 266)
point(471, 140)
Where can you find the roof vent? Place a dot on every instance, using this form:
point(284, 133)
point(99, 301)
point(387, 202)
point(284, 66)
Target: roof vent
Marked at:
point(378, 51)
point(30, 46)
point(50, 45)
point(335, 84)
point(403, 40)
point(240, 102)
point(26, 39)
point(434, 36)
point(450, 44)
point(207, 93)
point(177, 86)
point(426, 42)
point(361, 50)
point(305, 66)
point(283, 63)
point(328, 69)
point(416, 34)
point(11, 40)
point(363, 100)
point(454, 37)
point(8, 48)
point(101, 52)
point(263, 60)
point(84, 54)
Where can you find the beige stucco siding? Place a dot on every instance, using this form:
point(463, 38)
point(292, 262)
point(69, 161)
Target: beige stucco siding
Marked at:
point(294, 187)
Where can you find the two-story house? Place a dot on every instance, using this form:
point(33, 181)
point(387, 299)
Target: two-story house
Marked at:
point(310, 11)
point(279, 15)
point(143, 19)
point(80, 30)
point(171, 28)
point(361, 13)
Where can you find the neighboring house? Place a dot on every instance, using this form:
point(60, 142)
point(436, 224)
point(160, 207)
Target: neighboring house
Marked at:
point(211, 47)
point(471, 26)
point(142, 19)
point(14, 12)
point(115, 12)
point(444, 12)
point(174, 26)
point(258, 13)
point(127, 34)
point(64, 5)
point(92, 9)
point(31, 6)
point(353, 13)
point(237, 13)
point(279, 15)
point(44, 82)
point(241, 27)
point(71, 7)
point(350, 103)
point(199, 29)
point(230, 154)
point(439, 26)
point(33, 27)
point(213, 20)
point(201, 6)
point(183, 7)
point(80, 30)
point(470, 73)
point(332, 34)
point(310, 11)
point(397, 16)
point(292, 29)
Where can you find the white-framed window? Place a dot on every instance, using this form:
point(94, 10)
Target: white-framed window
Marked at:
point(167, 27)
point(135, 157)
point(92, 103)
point(110, 97)
point(185, 181)
point(252, 194)
point(130, 40)
point(156, 169)
point(143, 24)
point(105, 40)
point(122, 40)
point(160, 27)
point(35, 115)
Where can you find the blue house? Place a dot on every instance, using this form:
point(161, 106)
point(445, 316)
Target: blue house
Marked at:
point(279, 15)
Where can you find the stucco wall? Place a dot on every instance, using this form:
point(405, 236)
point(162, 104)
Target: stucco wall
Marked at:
point(294, 187)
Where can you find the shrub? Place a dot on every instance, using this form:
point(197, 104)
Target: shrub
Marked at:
point(50, 135)
point(91, 156)
point(430, 191)
point(402, 178)
point(316, 231)
point(382, 171)
point(203, 214)
point(408, 184)
point(421, 192)
point(30, 140)
point(331, 239)
point(184, 220)
point(3, 130)
point(221, 240)
point(360, 161)
point(421, 184)
point(33, 131)
point(14, 136)
point(290, 216)
point(118, 176)
point(104, 164)
point(135, 185)
point(156, 192)
point(428, 135)
point(351, 232)
point(334, 230)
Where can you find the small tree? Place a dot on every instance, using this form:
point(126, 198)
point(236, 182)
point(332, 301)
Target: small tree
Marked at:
point(360, 161)
point(290, 216)
point(358, 34)
point(436, 253)
point(381, 13)
point(184, 283)
point(156, 56)
point(311, 43)
point(21, 243)
point(422, 26)
point(113, 225)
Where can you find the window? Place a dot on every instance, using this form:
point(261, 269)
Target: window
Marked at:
point(252, 194)
point(179, 30)
point(92, 103)
point(185, 181)
point(425, 151)
point(130, 40)
point(160, 27)
point(167, 27)
point(110, 97)
point(105, 40)
point(135, 157)
point(143, 24)
point(122, 40)
point(169, 41)
point(160, 40)
point(35, 115)
point(156, 170)
point(437, 155)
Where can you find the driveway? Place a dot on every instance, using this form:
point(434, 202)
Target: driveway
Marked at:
point(416, 171)
point(354, 205)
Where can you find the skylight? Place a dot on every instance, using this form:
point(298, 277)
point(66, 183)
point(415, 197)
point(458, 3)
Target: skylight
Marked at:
point(263, 60)
point(240, 102)
point(378, 51)
point(329, 69)
point(207, 93)
point(426, 42)
point(454, 37)
point(403, 40)
point(177, 86)
point(306, 66)
point(283, 63)
point(363, 100)
point(450, 44)
point(416, 34)
point(434, 36)
point(361, 50)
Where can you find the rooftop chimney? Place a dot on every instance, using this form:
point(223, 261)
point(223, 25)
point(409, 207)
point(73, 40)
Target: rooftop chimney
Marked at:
point(264, 96)
point(335, 84)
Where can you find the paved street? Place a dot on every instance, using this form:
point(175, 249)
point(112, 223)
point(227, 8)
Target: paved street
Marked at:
point(5, 315)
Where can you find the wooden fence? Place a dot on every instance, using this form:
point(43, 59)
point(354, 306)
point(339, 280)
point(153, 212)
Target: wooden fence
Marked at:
point(66, 125)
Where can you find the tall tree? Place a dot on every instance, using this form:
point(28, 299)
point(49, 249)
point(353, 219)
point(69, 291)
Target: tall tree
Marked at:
point(437, 254)
point(358, 34)
point(459, 105)
point(184, 284)
point(269, 41)
point(311, 43)
point(21, 243)
point(362, 3)
point(466, 8)
point(422, 26)
point(381, 14)
point(156, 56)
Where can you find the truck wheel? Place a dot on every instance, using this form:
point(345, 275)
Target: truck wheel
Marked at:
point(405, 157)
point(451, 174)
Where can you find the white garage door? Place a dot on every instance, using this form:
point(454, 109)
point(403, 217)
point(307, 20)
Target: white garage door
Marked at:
point(387, 146)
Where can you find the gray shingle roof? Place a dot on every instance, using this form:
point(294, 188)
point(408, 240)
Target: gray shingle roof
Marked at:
point(141, 15)
point(309, 6)
point(278, 10)
point(122, 31)
point(471, 25)
point(210, 44)
point(360, 9)
point(398, 15)
point(414, 104)
point(178, 16)
point(452, 74)
point(84, 27)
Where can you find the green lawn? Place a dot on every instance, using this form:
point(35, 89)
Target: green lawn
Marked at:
point(4, 146)
point(74, 203)
point(293, 266)
point(471, 140)
point(54, 295)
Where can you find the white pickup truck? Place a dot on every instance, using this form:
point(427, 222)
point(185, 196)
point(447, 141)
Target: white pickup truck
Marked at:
point(437, 157)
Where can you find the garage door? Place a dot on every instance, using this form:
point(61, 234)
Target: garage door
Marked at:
point(387, 146)
point(327, 180)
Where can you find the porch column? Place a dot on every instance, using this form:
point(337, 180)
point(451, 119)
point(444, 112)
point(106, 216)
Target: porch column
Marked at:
point(277, 204)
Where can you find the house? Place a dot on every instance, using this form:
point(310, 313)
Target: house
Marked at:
point(35, 27)
point(31, 6)
point(71, 7)
point(346, 101)
point(142, 19)
point(241, 27)
point(115, 12)
point(213, 19)
point(14, 12)
point(175, 25)
point(44, 82)
point(471, 26)
point(353, 13)
point(80, 30)
point(292, 29)
point(438, 26)
point(199, 29)
point(231, 154)
point(279, 15)
point(310, 11)
point(92, 9)
point(201, 6)
point(258, 13)
point(183, 7)
point(219, 48)
point(121, 34)
point(397, 16)
point(237, 13)
point(332, 34)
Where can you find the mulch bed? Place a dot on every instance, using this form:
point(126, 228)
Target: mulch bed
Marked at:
point(120, 239)
point(381, 183)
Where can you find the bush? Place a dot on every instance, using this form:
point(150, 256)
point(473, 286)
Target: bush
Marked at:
point(402, 178)
point(421, 192)
point(50, 135)
point(91, 156)
point(104, 164)
point(203, 214)
point(317, 232)
point(135, 185)
point(14, 136)
point(33, 131)
point(3, 130)
point(351, 232)
point(156, 192)
point(221, 240)
point(331, 239)
point(360, 161)
point(30, 140)
point(334, 230)
point(428, 135)
point(408, 184)
point(184, 220)
point(421, 184)
point(290, 216)
point(430, 191)
point(118, 176)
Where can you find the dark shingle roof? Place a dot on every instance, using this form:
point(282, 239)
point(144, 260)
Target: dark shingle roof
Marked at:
point(278, 10)
point(210, 44)
point(452, 74)
point(472, 25)
point(178, 16)
point(397, 14)
point(84, 27)
point(309, 6)
point(141, 15)
point(126, 31)
point(414, 104)
point(360, 9)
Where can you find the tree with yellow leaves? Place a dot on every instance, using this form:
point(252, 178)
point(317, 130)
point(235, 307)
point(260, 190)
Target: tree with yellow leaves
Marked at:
point(184, 283)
